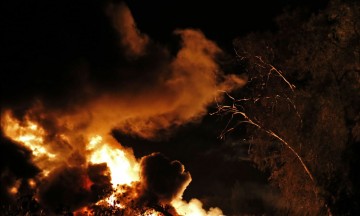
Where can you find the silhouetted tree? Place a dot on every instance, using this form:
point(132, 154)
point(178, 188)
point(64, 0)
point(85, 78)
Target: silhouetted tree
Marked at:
point(302, 106)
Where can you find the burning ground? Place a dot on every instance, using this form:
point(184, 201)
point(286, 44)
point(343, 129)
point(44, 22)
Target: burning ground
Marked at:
point(56, 124)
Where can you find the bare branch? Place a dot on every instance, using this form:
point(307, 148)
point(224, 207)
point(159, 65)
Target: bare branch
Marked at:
point(273, 134)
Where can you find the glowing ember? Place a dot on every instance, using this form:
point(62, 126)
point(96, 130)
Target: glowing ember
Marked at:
point(13, 190)
point(32, 183)
point(83, 212)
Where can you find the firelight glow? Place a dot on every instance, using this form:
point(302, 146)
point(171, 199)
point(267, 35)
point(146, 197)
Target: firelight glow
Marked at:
point(123, 166)
point(123, 171)
point(27, 133)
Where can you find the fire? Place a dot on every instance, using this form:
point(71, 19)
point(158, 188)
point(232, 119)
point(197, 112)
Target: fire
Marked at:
point(14, 189)
point(83, 212)
point(94, 141)
point(27, 133)
point(123, 166)
point(123, 170)
point(152, 212)
point(194, 208)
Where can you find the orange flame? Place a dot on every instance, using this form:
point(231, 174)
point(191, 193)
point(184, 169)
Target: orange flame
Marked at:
point(27, 133)
point(124, 167)
point(194, 208)
point(30, 135)
point(152, 212)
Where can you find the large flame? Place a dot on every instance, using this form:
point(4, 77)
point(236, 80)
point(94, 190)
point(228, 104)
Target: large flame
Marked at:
point(124, 167)
point(27, 133)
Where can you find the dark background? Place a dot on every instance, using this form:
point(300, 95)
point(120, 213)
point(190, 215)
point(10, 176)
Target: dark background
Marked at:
point(221, 21)
point(42, 39)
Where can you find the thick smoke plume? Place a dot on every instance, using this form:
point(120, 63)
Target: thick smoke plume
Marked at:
point(131, 39)
point(137, 86)
point(162, 180)
point(74, 187)
point(151, 91)
point(16, 167)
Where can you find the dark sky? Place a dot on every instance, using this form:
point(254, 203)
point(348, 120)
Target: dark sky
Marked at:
point(38, 34)
point(43, 40)
point(221, 21)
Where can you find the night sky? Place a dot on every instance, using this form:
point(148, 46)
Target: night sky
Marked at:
point(47, 46)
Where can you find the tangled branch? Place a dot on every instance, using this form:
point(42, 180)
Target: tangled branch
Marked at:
point(223, 109)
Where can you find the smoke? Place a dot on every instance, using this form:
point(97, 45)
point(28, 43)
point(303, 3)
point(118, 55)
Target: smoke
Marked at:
point(16, 168)
point(73, 187)
point(137, 87)
point(194, 207)
point(161, 186)
point(162, 180)
point(178, 91)
point(133, 42)
point(147, 89)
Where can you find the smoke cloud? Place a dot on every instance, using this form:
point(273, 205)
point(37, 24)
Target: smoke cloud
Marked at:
point(133, 42)
point(162, 180)
point(137, 87)
point(16, 168)
point(69, 188)
point(148, 92)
